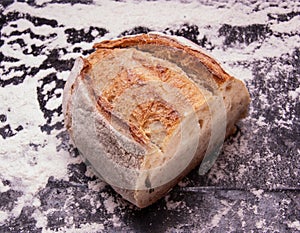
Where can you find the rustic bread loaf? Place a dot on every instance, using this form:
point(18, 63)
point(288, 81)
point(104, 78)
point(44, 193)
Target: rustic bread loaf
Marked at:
point(144, 110)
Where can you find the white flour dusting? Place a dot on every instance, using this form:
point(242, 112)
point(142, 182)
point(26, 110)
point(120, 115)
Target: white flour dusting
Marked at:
point(116, 17)
point(28, 168)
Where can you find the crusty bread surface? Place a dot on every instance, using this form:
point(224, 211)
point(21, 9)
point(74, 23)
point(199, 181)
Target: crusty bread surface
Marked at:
point(145, 110)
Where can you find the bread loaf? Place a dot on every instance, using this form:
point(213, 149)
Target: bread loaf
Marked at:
point(144, 111)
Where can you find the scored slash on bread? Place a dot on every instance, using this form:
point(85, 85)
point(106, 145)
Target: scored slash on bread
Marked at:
point(144, 110)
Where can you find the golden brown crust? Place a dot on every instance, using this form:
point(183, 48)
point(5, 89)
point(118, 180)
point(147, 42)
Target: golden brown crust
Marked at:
point(219, 74)
point(151, 112)
point(128, 77)
point(108, 74)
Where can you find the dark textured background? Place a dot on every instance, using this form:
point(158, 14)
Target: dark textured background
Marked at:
point(253, 187)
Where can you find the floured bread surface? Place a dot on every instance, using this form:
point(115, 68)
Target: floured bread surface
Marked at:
point(142, 111)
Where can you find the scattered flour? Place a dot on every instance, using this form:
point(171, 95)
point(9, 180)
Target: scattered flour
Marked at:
point(89, 227)
point(260, 224)
point(295, 94)
point(217, 217)
point(3, 216)
point(110, 205)
point(29, 169)
point(146, 15)
point(295, 225)
point(257, 192)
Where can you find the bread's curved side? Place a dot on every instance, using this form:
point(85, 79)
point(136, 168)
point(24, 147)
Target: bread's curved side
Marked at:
point(197, 76)
point(238, 96)
point(160, 39)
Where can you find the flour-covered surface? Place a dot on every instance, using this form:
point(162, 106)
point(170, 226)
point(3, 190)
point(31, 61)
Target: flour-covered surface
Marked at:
point(253, 187)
